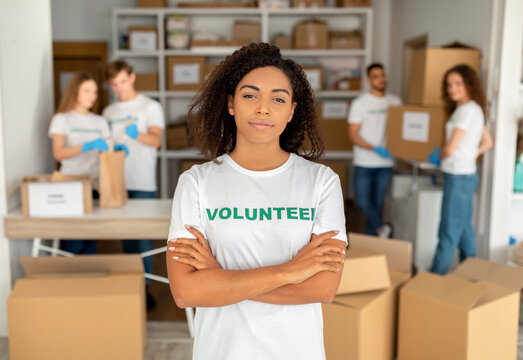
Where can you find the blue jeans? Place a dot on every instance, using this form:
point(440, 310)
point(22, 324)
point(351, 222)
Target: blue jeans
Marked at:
point(455, 227)
point(370, 187)
point(81, 247)
point(140, 246)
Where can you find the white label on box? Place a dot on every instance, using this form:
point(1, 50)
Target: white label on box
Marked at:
point(334, 110)
point(56, 199)
point(314, 77)
point(416, 126)
point(186, 73)
point(142, 40)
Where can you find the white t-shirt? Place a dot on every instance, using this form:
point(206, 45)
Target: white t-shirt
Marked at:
point(140, 165)
point(468, 117)
point(253, 219)
point(371, 112)
point(77, 130)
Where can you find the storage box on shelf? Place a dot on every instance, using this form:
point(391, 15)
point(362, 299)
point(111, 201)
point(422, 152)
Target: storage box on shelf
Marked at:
point(171, 43)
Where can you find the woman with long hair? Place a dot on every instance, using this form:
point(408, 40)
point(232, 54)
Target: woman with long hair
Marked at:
point(78, 136)
point(257, 238)
point(467, 138)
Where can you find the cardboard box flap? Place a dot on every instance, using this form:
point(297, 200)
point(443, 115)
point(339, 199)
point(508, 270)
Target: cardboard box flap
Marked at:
point(56, 266)
point(457, 45)
point(451, 290)
point(493, 292)
point(479, 269)
point(398, 252)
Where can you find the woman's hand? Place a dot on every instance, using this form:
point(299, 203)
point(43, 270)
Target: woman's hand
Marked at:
point(194, 252)
point(314, 258)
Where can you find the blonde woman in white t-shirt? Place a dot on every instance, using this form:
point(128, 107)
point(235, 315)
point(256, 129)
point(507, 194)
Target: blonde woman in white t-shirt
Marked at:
point(78, 137)
point(257, 236)
point(466, 138)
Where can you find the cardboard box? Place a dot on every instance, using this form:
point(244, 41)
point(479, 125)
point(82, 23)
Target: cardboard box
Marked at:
point(314, 76)
point(81, 307)
point(414, 131)
point(185, 72)
point(283, 41)
point(353, 3)
point(218, 43)
point(363, 326)
point(246, 31)
point(448, 317)
point(56, 195)
point(311, 34)
point(143, 38)
point(209, 68)
point(347, 83)
point(345, 39)
point(333, 123)
point(364, 261)
point(146, 82)
point(428, 66)
point(151, 3)
point(177, 137)
point(218, 4)
point(308, 3)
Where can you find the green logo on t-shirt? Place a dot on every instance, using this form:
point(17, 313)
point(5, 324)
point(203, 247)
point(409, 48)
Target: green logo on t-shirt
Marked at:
point(270, 213)
point(129, 118)
point(378, 111)
point(86, 131)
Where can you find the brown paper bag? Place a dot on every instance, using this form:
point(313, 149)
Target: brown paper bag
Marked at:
point(112, 179)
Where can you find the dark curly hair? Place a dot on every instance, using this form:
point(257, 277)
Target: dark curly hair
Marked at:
point(472, 84)
point(213, 129)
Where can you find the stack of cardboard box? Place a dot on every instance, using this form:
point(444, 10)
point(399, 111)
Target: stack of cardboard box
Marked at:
point(469, 314)
point(414, 130)
point(361, 321)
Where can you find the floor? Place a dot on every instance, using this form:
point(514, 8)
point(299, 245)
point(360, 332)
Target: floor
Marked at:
point(171, 341)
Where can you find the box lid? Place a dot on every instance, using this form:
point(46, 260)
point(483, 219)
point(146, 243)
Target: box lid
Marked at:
point(479, 269)
point(81, 265)
point(398, 252)
point(451, 290)
point(364, 270)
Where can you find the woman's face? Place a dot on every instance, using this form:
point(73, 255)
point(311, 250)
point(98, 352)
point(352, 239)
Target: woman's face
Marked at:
point(87, 94)
point(262, 106)
point(456, 88)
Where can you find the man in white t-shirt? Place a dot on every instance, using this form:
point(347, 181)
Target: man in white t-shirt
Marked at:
point(372, 161)
point(136, 121)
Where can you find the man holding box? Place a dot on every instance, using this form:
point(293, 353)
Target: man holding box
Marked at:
point(137, 121)
point(372, 161)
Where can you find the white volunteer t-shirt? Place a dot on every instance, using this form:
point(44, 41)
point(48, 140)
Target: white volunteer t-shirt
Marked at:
point(468, 117)
point(140, 165)
point(371, 112)
point(77, 130)
point(253, 219)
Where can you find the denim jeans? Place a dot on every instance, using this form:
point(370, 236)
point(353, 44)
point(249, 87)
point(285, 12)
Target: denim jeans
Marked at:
point(140, 246)
point(455, 227)
point(370, 187)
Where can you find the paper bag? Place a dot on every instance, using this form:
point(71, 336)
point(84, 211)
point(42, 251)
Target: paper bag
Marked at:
point(112, 179)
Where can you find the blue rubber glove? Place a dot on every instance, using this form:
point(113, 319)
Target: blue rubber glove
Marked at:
point(132, 131)
point(99, 144)
point(383, 152)
point(434, 156)
point(122, 147)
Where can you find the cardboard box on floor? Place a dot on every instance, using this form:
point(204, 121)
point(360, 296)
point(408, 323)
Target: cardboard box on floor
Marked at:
point(429, 65)
point(413, 131)
point(363, 326)
point(81, 307)
point(449, 317)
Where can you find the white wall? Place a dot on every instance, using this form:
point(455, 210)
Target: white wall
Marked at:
point(26, 105)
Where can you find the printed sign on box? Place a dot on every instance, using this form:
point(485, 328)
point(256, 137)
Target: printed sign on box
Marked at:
point(334, 110)
point(56, 199)
point(416, 126)
point(186, 73)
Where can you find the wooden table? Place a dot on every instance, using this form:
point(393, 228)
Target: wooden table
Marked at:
point(137, 219)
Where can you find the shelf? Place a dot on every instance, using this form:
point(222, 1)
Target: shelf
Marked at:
point(180, 94)
point(153, 94)
point(336, 94)
point(242, 11)
point(137, 53)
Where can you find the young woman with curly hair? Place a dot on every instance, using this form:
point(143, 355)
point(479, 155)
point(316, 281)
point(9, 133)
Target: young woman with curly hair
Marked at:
point(257, 236)
point(467, 138)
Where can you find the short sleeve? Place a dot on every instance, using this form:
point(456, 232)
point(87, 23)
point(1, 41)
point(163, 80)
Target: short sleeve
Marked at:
point(464, 118)
point(186, 208)
point(330, 214)
point(155, 115)
point(57, 126)
point(356, 113)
